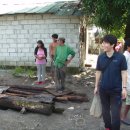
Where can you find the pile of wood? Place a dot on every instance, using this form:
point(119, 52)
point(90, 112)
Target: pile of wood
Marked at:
point(36, 99)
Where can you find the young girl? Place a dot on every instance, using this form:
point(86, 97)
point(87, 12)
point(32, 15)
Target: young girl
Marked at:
point(40, 54)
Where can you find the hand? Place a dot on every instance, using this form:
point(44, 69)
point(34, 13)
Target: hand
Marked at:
point(124, 93)
point(68, 61)
point(40, 58)
point(96, 90)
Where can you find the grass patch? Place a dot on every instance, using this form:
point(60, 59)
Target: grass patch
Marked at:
point(24, 72)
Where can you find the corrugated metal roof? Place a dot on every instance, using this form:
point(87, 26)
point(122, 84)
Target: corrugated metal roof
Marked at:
point(57, 8)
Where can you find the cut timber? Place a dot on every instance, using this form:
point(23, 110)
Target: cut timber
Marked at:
point(55, 93)
point(73, 98)
point(31, 105)
point(11, 90)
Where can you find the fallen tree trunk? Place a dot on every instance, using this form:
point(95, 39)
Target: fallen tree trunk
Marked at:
point(31, 105)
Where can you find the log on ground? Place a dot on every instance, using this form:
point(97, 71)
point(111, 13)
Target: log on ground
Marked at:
point(31, 105)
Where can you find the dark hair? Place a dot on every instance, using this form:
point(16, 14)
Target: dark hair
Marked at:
point(127, 44)
point(55, 36)
point(62, 39)
point(42, 44)
point(110, 39)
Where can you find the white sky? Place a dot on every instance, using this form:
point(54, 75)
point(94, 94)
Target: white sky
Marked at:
point(14, 5)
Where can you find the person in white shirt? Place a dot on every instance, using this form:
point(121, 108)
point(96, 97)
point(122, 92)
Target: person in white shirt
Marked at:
point(127, 107)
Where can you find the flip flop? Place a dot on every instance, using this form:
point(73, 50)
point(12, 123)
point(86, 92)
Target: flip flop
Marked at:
point(125, 121)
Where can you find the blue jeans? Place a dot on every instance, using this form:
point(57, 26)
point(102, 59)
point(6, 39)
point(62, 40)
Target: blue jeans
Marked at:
point(111, 106)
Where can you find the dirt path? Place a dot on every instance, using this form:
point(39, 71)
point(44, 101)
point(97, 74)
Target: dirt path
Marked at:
point(75, 117)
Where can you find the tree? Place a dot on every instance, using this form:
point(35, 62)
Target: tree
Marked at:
point(111, 15)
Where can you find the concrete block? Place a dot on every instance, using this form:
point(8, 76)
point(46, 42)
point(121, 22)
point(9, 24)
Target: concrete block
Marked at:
point(24, 22)
point(10, 41)
point(9, 32)
point(13, 63)
point(60, 25)
point(20, 63)
point(11, 17)
point(32, 21)
point(40, 22)
point(18, 27)
point(3, 41)
point(3, 17)
point(29, 63)
point(5, 45)
point(27, 27)
point(11, 50)
point(14, 36)
point(6, 54)
point(13, 45)
point(69, 25)
point(2, 32)
point(75, 20)
point(21, 54)
point(20, 16)
point(21, 46)
point(2, 27)
point(53, 26)
point(23, 40)
point(44, 26)
point(24, 31)
point(15, 22)
point(65, 20)
point(36, 35)
point(1, 36)
point(13, 54)
point(20, 35)
point(45, 36)
point(25, 50)
point(24, 59)
point(4, 50)
point(36, 26)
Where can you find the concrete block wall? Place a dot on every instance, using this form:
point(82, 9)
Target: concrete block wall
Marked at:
point(19, 34)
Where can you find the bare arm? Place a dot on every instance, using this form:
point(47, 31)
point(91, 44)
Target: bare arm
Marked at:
point(97, 79)
point(50, 50)
point(124, 82)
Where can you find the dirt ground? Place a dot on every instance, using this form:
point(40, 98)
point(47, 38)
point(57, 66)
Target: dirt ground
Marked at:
point(75, 117)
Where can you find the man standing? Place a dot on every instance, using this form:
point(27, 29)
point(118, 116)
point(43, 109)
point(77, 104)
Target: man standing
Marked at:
point(61, 60)
point(52, 48)
point(112, 69)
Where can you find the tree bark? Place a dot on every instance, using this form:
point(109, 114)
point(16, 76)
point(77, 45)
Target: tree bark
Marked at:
point(31, 105)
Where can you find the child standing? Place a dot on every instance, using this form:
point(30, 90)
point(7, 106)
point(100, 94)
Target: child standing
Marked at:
point(40, 55)
point(61, 60)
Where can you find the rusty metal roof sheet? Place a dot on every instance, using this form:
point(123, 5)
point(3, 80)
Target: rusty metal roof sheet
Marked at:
point(57, 8)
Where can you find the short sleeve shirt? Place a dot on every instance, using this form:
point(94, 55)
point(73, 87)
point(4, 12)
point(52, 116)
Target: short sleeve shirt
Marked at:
point(111, 78)
point(127, 56)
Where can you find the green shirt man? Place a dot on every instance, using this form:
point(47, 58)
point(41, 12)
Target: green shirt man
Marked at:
point(61, 54)
point(61, 60)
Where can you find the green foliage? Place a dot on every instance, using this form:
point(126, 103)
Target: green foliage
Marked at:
point(110, 15)
point(24, 71)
